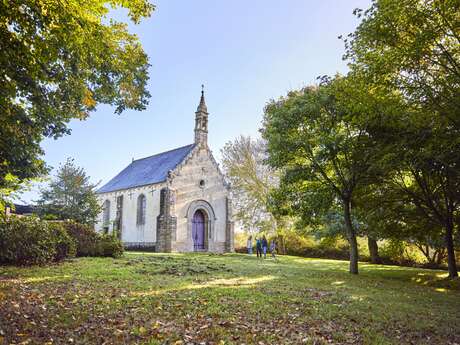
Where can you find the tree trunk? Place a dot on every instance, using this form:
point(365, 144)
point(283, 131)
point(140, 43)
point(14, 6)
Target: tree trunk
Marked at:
point(351, 236)
point(440, 254)
point(451, 264)
point(281, 246)
point(373, 250)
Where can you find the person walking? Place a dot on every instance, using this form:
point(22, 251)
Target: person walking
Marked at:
point(249, 245)
point(273, 248)
point(258, 248)
point(264, 246)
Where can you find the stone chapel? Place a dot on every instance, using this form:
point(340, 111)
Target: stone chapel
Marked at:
point(175, 201)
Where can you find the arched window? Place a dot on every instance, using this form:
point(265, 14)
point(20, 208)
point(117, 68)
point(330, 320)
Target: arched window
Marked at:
point(141, 205)
point(106, 216)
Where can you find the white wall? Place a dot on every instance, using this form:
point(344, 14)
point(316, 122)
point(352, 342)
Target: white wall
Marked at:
point(131, 232)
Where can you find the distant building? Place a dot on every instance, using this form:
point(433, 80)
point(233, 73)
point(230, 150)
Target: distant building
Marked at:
point(172, 201)
point(19, 210)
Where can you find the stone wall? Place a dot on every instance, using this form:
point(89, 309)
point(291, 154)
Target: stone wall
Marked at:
point(198, 179)
point(166, 221)
point(229, 229)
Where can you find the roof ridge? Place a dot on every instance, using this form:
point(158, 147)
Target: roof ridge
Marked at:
point(161, 153)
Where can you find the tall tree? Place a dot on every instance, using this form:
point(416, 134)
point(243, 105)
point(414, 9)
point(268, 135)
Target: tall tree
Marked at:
point(325, 156)
point(58, 61)
point(251, 178)
point(412, 47)
point(70, 195)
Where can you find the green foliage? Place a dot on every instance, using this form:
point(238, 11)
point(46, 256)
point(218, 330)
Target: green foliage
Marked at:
point(85, 237)
point(66, 246)
point(393, 250)
point(59, 60)
point(70, 195)
point(316, 136)
point(111, 246)
point(412, 49)
point(30, 241)
point(10, 185)
point(306, 246)
point(26, 241)
point(92, 243)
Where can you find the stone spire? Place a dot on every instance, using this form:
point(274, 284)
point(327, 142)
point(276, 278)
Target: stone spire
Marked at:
point(201, 122)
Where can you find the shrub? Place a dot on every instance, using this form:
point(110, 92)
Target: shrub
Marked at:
point(26, 241)
point(111, 246)
point(85, 237)
point(91, 243)
point(66, 246)
point(29, 240)
point(295, 243)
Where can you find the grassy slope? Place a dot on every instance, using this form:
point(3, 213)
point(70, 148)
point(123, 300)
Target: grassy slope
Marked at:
point(155, 299)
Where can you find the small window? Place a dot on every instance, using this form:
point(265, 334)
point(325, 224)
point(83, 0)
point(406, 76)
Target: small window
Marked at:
point(202, 183)
point(141, 206)
point(106, 216)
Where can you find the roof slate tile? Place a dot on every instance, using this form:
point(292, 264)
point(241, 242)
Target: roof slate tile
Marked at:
point(148, 170)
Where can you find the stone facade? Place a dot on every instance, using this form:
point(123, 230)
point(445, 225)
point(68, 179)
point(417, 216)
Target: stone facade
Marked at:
point(199, 184)
point(196, 184)
point(166, 222)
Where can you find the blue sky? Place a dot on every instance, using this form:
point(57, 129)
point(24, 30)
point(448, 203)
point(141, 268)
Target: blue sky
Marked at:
point(245, 52)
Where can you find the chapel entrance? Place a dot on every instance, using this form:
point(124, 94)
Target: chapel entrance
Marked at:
point(198, 231)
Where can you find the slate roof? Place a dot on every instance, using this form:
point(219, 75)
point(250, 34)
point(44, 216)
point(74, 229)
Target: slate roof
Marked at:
point(148, 170)
point(23, 209)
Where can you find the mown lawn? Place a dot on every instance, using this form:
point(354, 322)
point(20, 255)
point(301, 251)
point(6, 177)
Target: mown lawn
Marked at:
point(225, 299)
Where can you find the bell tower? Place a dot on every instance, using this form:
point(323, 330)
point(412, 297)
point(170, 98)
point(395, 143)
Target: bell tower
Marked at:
point(201, 122)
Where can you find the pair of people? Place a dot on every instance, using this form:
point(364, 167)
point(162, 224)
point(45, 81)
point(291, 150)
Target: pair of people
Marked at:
point(262, 247)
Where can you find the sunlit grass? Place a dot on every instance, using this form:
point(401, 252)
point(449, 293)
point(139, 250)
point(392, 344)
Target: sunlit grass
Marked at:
point(160, 298)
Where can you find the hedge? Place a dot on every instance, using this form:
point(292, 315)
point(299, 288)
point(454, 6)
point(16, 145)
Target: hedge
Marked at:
point(92, 243)
point(31, 241)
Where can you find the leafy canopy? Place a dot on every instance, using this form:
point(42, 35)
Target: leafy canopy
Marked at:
point(316, 136)
point(413, 46)
point(59, 60)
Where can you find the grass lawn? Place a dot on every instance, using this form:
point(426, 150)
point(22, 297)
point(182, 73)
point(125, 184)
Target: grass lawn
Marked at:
point(225, 299)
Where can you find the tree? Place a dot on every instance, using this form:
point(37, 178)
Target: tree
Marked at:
point(58, 61)
point(413, 48)
point(70, 195)
point(434, 190)
point(417, 155)
point(325, 155)
point(251, 178)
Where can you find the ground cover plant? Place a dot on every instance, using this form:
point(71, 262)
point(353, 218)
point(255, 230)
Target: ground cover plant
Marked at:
point(226, 299)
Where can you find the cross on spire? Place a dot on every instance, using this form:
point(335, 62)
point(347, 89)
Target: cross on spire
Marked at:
point(202, 106)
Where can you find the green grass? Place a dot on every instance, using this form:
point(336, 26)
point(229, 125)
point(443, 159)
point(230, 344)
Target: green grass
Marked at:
point(226, 299)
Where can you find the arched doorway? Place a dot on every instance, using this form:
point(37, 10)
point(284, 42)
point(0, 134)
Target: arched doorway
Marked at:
point(199, 231)
point(200, 212)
